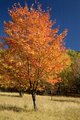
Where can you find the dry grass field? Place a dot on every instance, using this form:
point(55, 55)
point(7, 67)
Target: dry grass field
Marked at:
point(13, 107)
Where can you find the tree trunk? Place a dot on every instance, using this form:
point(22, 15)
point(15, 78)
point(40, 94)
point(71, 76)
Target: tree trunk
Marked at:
point(21, 94)
point(34, 100)
point(51, 94)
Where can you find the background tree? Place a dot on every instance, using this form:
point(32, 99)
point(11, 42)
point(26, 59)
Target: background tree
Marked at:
point(41, 51)
point(70, 83)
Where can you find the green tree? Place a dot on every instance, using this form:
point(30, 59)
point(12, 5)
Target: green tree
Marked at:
point(71, 76)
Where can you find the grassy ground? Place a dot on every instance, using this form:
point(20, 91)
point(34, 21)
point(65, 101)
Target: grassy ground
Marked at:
point(12, 107)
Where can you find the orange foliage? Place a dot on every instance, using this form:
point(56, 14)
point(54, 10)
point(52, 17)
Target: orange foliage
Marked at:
point(40, 49)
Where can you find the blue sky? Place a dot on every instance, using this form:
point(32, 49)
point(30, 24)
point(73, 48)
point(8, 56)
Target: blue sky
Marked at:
point(66, 13)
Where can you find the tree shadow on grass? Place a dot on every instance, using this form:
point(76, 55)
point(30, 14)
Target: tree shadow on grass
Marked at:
point(10, 95)
point(74, 101)
point(13, 108)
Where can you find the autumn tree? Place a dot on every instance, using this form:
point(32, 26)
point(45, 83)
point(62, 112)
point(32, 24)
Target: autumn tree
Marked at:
point(41, 51)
